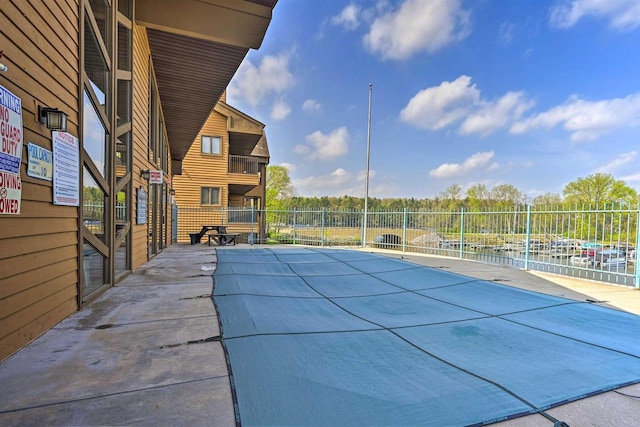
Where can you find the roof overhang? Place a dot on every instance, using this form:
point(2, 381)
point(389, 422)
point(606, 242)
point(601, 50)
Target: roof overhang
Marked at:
point(196, 48)
point(240, 189)
point(242, 144)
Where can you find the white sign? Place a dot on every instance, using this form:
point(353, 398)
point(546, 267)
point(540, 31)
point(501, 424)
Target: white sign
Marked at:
point(10, 132)
point(155, 177)
point(10, 193)
point(141, 213)
point(40, 164)
point(66, 169)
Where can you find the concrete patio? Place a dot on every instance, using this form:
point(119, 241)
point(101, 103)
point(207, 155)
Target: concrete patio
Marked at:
point(147, 352)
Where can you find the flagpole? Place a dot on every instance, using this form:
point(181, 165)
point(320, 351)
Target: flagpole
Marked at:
point(366, 178)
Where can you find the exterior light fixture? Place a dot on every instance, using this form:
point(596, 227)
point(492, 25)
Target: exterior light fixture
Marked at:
point(172, 192)
point(3, 67)
point(52, 118)
point(145, 174)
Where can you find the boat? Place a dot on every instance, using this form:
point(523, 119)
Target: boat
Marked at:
point(611, 259)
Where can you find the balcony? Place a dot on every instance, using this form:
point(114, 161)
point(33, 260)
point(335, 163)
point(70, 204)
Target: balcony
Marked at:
point(243, 164)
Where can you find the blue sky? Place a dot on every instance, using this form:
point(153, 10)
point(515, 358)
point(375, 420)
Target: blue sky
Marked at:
point(532, 93)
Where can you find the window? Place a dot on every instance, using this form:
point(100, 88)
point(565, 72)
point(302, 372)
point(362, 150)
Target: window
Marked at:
point(211, 145)
point(210, 196)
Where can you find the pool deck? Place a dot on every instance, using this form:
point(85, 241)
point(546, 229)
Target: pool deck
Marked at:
point(147, 352)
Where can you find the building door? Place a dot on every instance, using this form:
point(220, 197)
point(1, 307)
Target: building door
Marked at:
point(156, 220)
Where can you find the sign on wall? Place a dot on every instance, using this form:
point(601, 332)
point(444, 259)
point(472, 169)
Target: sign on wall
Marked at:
point(10, 193)
point(155, 177)
point(10, 132)
point(66, 169)
point(141, 212)
point(40, 163)
point(10, 152)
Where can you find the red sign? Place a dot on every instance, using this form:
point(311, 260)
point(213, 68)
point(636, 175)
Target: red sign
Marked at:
point(10, 193)
point(155, 177)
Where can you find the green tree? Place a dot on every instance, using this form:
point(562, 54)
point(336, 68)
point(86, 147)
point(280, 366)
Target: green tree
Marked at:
point(506, 195)
point(599, 189)
point(451, 197)
point(478, 196)
point(547, 200)
point(279, 188)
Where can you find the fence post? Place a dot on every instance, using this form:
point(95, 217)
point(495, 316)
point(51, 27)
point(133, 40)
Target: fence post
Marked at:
point(322, 239)
point(636, 267)
point(364, 229)
point(294, 225)
point(527, 243)
point(461, 233)
point(253, 218)
point(404, 230)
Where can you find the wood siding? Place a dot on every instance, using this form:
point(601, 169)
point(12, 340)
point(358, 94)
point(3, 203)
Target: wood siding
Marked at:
point(140, 127)
point(39, 247)
point(141, 55)
point(204, 170)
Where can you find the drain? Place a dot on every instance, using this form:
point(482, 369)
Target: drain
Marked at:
point(197, 297)
point(105, 326)
point(200, 341)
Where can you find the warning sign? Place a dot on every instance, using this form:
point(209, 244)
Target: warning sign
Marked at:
point(155, 177)
point(10, 152)
point(10, 132)
point(10, 193)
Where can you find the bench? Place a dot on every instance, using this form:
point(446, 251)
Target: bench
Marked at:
point(197, 237)
point(222, 239)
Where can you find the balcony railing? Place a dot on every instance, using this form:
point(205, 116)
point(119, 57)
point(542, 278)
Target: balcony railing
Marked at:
point(243, 164)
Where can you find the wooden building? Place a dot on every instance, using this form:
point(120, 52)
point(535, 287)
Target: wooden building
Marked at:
point(135, 80)
point(223, 175)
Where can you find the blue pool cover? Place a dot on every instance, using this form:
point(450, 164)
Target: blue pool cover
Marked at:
point(347, 338)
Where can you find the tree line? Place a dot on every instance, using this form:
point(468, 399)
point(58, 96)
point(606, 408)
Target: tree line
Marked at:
point(595, 190)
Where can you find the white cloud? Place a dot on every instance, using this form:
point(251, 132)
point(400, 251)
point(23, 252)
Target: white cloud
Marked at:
point(417, 25)
point(440, 106)
point(362, 175)
point(324, 147)
point(280, 110)
point(311, 105)
point(289, 166)
point(342, 182)
point(621, 14)
point(347, 18)
point(474, 162)
point(495, 115)
point(303, 150)
point(337, 183)
point(505, 32)
point(617, 163)
point(632, 178)
point(436, 107)
point(586, 120)
point(254, 83)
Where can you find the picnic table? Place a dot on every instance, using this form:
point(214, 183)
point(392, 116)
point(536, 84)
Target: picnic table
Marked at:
point(220, 236)
point(222, 239)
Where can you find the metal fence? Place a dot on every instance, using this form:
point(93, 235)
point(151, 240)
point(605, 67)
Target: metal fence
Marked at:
point(590, 243)
point(247, 222)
